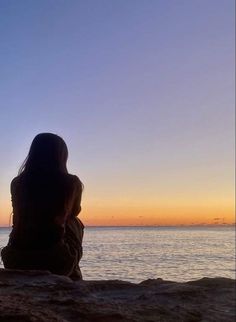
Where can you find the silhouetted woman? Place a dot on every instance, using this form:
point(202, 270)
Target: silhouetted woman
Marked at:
point(46, 199)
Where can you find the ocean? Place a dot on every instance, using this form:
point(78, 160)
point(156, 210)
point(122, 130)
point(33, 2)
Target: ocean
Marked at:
point(138, 253)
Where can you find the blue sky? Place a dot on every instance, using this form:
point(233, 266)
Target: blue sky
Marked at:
point(141, 91)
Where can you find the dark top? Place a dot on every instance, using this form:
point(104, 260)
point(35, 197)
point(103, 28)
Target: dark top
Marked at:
point(42, 205)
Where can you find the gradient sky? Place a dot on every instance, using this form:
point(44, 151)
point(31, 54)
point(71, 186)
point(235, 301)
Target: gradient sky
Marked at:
point(141, 91)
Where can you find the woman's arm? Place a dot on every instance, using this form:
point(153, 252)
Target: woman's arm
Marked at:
point(77, 194)
point(13, 186)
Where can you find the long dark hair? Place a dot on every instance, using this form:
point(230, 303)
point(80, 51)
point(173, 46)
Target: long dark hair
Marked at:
point(48, 153)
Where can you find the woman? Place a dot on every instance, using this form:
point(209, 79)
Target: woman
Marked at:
point(46, 233)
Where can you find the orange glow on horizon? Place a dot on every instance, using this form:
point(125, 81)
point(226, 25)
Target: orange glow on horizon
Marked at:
point(161, 217)
point(124, 215)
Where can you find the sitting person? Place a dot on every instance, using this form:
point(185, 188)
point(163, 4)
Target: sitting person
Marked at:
point(46, 233)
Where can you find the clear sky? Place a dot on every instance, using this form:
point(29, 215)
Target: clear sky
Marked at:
point(141, 91)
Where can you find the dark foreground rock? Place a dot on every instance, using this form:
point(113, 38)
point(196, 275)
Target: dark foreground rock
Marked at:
point(41, 296)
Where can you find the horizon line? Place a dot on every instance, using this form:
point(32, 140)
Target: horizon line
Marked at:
point(178, 225)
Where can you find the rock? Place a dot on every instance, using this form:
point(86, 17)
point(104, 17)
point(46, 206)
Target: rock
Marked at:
point(35, 296)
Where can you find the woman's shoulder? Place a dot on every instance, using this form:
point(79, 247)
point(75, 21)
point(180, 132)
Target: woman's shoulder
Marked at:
point(73, 180)
point(71, 177)
point(15, 182)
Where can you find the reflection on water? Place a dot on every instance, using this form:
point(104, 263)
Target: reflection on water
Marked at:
point(173, 253)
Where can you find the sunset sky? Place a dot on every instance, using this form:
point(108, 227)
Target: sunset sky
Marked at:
point(141, 91)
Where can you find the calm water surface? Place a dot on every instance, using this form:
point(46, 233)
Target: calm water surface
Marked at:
point(138, 253)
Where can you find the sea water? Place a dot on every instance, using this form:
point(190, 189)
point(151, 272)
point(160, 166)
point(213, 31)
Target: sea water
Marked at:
point(138, 253)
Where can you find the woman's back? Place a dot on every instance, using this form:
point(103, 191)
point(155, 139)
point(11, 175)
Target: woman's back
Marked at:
point(42, 202)
point(46, 199)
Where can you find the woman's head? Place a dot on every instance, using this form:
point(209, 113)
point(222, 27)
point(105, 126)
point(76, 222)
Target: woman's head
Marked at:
point(48, 152)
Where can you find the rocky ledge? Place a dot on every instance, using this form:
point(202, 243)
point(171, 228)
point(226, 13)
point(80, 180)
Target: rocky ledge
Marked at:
point(41, 296)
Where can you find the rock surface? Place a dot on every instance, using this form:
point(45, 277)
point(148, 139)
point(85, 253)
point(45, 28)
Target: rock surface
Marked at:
point(41, 296)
